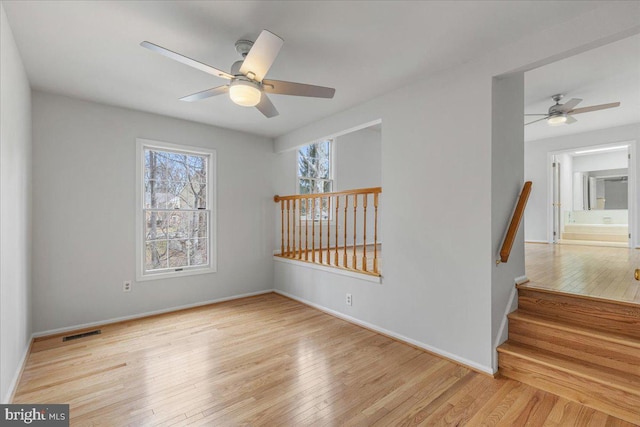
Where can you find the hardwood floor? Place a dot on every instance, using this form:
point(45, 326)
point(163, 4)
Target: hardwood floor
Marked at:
point(604, 272)
point(269, 360)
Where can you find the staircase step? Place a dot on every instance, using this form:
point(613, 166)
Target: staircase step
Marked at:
point(597, 237)
point(609, 349)
point(613, 392)
point(594, 313)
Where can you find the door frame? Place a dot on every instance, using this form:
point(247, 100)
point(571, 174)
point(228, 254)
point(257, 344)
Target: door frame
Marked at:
point(632, 190)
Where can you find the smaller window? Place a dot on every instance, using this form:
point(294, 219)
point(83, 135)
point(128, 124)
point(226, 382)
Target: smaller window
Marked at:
point(315, 175)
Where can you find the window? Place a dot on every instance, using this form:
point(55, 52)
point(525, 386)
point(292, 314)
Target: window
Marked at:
point(175, 217)
point(315, 175)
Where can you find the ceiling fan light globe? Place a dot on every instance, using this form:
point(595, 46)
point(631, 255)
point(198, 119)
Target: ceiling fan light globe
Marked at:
point(245, 94)
point(557, 120)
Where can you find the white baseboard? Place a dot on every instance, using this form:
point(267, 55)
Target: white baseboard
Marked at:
point(146, 314)
point(16, 377)
point(461, 360)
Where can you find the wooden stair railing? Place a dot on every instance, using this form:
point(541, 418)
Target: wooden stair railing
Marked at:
point(516, 218)
point(302, 215)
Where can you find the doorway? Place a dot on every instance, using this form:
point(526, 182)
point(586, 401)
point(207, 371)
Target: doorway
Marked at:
point(591, 196)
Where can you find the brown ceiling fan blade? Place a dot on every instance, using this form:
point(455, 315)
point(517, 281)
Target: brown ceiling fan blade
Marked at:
point(535, 121)
point(185, 60)
point(266, 107)
point(297, 89)
point(261, 56)
point(206, 94)
point(568, 106)
point(594, 108)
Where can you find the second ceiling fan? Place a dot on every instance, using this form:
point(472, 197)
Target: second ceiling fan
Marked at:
point(247, 86)
point(563, 113)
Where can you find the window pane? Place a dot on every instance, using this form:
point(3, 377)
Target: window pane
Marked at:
point(156, 225)
point(305, 186)
point(178, 253)
point(176, 239)
point(156, 255)
point(199, 251)
point(175, 180)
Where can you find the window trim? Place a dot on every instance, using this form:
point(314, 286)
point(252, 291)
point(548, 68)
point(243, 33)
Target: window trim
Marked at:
point(141, 145)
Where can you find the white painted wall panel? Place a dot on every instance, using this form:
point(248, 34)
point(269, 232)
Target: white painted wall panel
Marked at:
point(15, 209)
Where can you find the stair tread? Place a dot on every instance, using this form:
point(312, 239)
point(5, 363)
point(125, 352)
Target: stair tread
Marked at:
point(568, 326)
point(617, 379)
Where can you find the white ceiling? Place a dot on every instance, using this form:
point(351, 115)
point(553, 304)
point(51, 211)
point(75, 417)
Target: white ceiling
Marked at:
point(90, 50)
point(600, 76)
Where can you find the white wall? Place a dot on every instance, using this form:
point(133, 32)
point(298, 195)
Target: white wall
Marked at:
point(537, 218)
point(439, 288)
point(15, 210)
point(601, 161)
point(84, 191)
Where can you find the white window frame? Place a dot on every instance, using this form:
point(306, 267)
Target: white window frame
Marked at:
point(211, 267)
point(331, 170)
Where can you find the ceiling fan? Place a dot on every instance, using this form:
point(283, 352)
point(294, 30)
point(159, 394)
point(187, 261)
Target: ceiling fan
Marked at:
point(247, 86)
point(563, 113)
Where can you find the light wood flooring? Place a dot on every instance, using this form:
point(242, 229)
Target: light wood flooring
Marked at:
point(269, 360)
point(603, 272)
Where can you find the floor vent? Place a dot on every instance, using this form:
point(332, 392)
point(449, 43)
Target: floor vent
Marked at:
point(82, 335)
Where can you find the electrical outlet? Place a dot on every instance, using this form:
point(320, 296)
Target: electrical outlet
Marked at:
point(126, 286)
point(349, 302)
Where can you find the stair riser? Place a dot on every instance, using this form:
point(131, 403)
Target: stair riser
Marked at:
point(599, 315)
point(586, 348)
point(590, 393)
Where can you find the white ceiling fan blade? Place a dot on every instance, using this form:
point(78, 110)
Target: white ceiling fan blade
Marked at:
point(594, 108)
point(570, 120)
point(266, 107)
point(297, 89)
point(568, 106)
point(544, 118)
point(185, 60)
point(206, 93)
point(261, 56)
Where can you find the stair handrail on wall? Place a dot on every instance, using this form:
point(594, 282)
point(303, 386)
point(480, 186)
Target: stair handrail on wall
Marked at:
point(516, 218)
point(302, 214)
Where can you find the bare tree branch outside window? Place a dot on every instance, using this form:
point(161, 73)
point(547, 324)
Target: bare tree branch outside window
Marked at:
point(176, 211)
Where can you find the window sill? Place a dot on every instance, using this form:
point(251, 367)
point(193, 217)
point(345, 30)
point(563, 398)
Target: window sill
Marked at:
point(172, 274)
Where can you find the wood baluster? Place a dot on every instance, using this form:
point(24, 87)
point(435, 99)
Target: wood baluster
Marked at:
point(281, 227)
point(364, 233)
point(320, 231)
point(354, 258)
point(375, 233)
point(344, 256)
point(306, 234)
point(329, 230)
point(300, 229)
point(313, 230)
point(335, 260)
point(288, 227)
point(292, 254)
